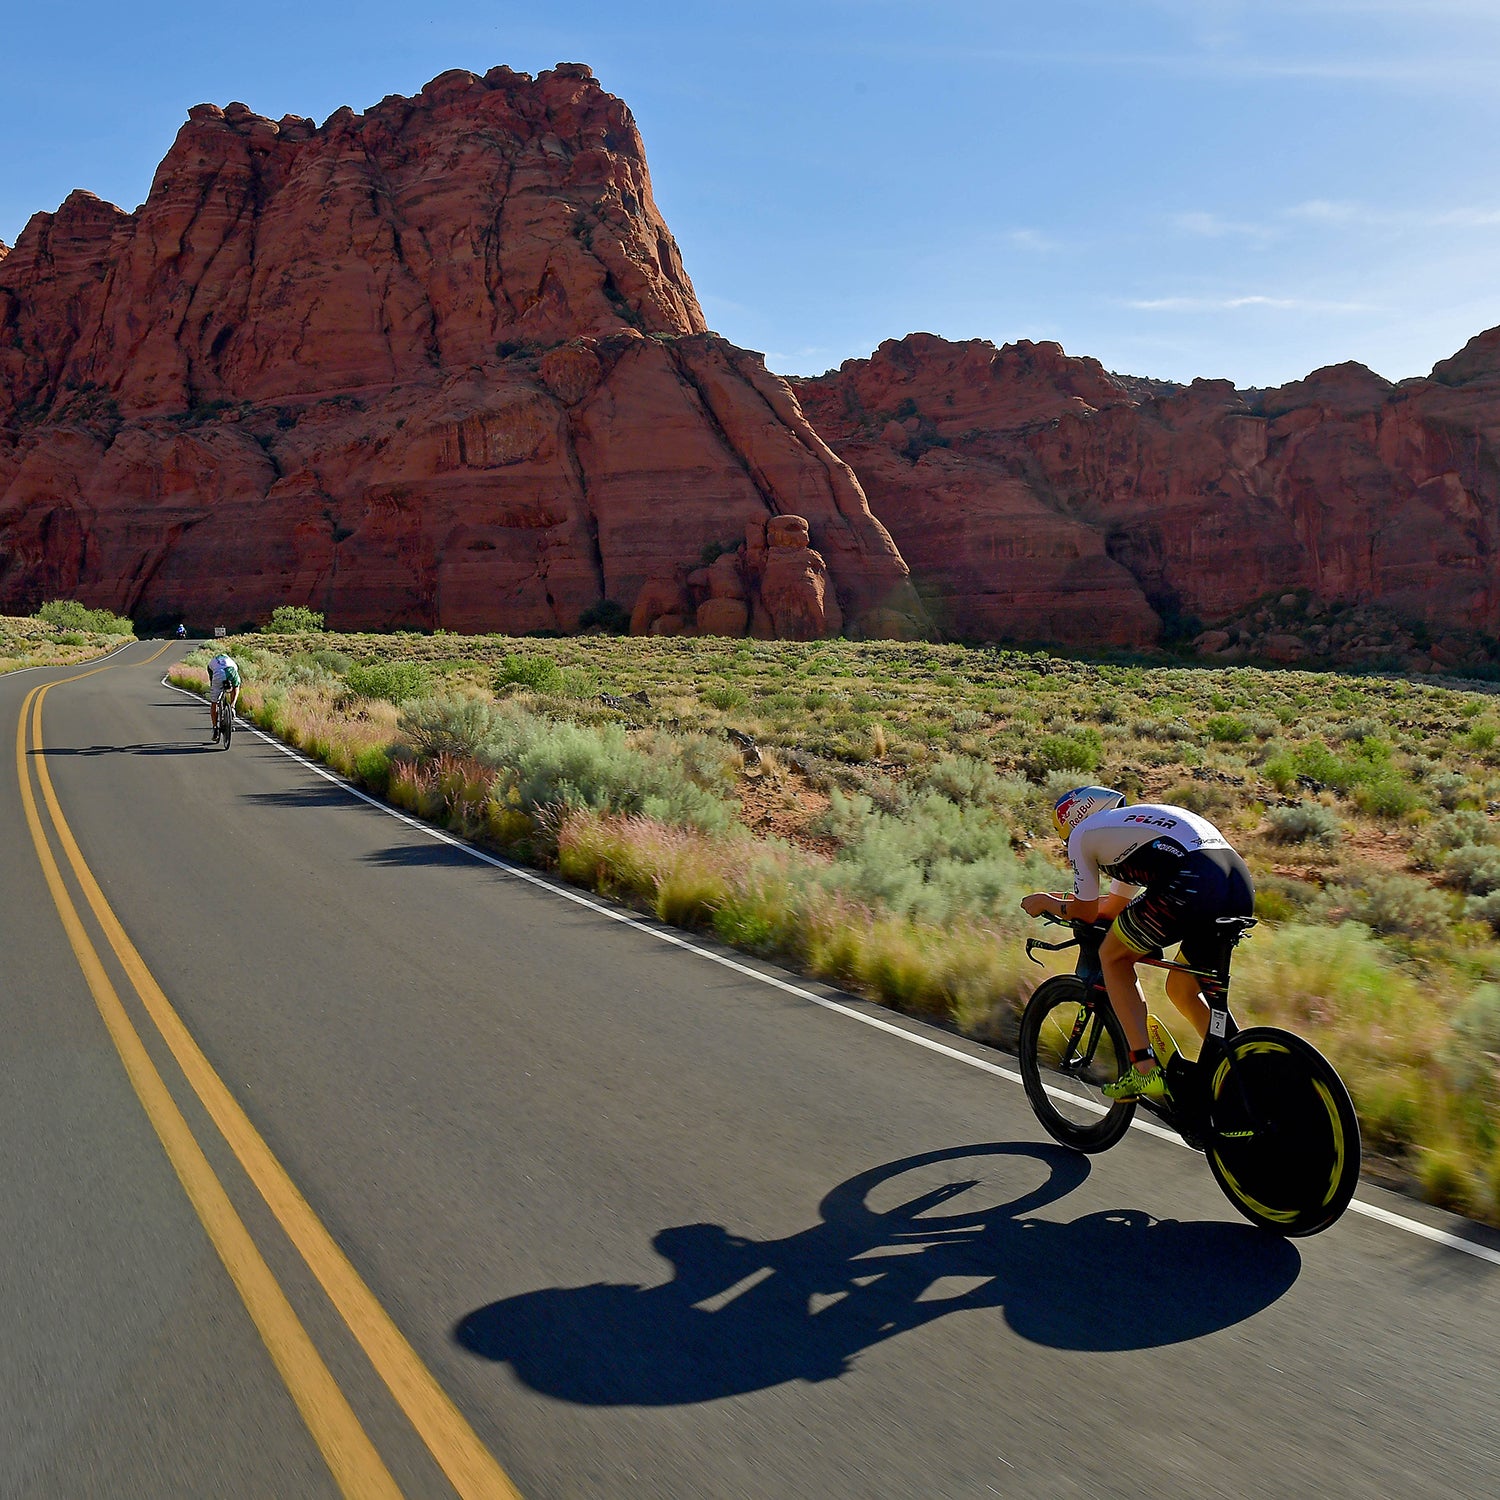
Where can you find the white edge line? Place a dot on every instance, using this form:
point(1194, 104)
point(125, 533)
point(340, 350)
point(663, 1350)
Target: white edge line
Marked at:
point(1369, 1210)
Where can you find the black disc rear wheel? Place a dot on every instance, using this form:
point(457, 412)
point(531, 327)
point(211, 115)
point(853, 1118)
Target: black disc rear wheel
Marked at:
point(1284, 1142)
point(226, 724)
point(1070, 1047)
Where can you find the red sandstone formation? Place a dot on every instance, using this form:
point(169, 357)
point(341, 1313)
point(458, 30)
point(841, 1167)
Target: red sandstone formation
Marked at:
point(1037, 497)
point(438, 364)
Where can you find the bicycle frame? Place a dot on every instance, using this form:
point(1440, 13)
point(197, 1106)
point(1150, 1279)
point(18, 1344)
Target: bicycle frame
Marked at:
point(1188, 1082)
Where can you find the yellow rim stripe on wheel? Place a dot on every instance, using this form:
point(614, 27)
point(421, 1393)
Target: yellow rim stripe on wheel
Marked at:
point(1338, 1140)
point(1285, 1216)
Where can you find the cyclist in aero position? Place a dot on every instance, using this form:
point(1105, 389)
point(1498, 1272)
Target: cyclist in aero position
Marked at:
point(223, 682)
point(1172, 875)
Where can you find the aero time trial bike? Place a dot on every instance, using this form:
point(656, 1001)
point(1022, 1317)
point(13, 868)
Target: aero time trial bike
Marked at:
point(226, 721)
point(1264, 1106)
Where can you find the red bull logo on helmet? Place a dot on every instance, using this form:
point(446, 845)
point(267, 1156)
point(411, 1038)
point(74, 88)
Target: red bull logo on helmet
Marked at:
point(1083, 802)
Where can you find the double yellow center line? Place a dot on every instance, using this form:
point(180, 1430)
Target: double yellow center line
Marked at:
point(351, 1456)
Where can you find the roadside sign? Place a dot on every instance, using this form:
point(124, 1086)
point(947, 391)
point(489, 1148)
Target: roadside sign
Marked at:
point(219, 632)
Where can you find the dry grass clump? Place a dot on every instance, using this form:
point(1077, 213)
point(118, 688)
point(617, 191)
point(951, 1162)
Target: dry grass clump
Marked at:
point(923, 776)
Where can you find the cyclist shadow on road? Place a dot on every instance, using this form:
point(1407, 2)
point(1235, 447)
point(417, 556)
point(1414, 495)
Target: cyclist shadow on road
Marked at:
point(157, 747)
point(897, 1247)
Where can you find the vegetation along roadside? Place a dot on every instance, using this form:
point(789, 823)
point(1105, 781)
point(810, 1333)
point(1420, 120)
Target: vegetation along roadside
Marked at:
point(60, 633)
point(869, 813)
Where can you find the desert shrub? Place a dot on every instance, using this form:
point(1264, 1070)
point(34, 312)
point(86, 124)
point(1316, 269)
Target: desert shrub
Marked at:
point(572, 765)
point(1478, 737)
point(1484, 909)
point(1079, 750)
point(394, 681)
point(1388, 795)
point(710, 762)
point(1306, 823)
point(72, 638)
point(724, 696)
point(1473, 1051)
point(1356, 731)
point(293, 619)
point(1227, 729)
point(1391, 905)
point(1450, 788)
point(452, 725)
point(540, 674)
point(932, 862)
point(1278, 899)
point(1203, 797)
point(336, 662)
point(1473, 868)
point(1452, 831)
point(1166, 730)
point(965, 780)
point(70, 615)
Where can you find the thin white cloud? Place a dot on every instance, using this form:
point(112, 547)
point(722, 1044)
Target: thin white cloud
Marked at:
point(812, 360)
point(1335, 211)
point(1234, 304)
point(1214, 226)
point(1031, 239)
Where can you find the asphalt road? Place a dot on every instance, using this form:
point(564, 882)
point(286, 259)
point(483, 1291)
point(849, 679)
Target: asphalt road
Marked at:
point(652, 1226)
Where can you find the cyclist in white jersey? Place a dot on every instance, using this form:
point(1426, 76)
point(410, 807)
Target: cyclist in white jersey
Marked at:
point(1172, 874)
point(223, 682)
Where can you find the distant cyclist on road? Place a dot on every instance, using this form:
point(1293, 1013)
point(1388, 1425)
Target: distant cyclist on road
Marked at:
point(223, 683)
point(181, 631)
point(1172, 876)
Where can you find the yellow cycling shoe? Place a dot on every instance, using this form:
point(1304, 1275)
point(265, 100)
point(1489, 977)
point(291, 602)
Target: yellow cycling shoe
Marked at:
point(1136, 1085)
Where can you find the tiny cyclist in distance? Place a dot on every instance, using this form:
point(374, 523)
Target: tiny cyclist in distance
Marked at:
point(1172, 875)
point(223, 684)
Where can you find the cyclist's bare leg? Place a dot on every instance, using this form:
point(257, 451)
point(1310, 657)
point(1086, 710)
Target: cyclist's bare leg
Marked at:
point(1184, 992)
point(1118, 963)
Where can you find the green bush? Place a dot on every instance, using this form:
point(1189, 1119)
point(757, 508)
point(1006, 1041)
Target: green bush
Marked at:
point(395, 681)
point(1228, 729)
point(724, 696)
point(1078, 750)
point(538, 673)
point(69, 615)
point(293, 619)
point(1387, 796)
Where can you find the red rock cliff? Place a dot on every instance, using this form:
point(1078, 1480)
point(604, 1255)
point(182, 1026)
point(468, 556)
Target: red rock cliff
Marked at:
point(438, 364)
point(1037, 497)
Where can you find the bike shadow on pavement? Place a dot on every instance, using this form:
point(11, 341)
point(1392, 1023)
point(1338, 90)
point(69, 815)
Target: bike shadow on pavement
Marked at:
point(158, 747)
point(897, 1247)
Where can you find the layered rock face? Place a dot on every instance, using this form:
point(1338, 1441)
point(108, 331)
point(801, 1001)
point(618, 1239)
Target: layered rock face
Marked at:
point(1038, 497)
point(434, 365)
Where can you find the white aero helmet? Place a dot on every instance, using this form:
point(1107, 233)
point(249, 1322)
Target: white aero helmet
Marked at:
point(1083, 802)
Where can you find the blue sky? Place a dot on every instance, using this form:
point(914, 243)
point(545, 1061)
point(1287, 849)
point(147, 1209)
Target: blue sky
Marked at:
point(1176, 187)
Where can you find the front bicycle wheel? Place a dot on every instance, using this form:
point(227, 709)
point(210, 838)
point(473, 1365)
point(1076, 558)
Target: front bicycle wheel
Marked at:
point(1284, 1138)
point(1072, 1044)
